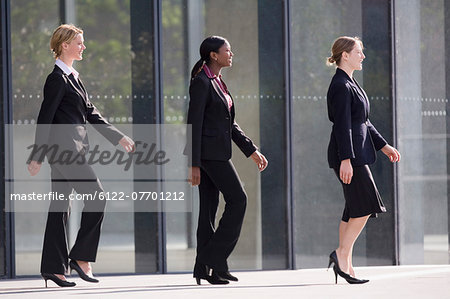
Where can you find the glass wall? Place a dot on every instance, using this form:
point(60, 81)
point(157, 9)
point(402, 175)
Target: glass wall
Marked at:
point(422, 101)
point(5, 242)
point(180, 227)
point(32, 23)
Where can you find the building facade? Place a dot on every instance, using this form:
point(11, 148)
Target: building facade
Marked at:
point(137, 62)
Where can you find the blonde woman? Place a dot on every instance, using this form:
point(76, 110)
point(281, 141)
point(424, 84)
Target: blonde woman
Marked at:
point(66, 102)
point(353, 145)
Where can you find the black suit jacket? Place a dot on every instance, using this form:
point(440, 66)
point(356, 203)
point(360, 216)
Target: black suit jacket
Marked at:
point(353, 135)
point(64, 113)
point(213, 125)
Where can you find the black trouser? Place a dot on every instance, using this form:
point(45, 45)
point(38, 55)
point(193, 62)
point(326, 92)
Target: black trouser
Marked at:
point(54, 253)
point(215, 246)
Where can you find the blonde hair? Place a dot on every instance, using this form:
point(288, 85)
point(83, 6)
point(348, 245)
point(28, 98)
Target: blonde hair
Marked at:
point(340, 45)
point(65, 33)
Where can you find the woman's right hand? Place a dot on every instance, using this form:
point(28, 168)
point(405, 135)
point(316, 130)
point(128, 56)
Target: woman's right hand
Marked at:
point(34, 167)
point(392, 153)
point(346, 171)
point(194, 175)
point(128, 144)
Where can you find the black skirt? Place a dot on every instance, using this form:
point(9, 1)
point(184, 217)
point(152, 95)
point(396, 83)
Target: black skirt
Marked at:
point(361, 195)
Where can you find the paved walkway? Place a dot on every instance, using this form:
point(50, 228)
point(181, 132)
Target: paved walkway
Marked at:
point(385, 283)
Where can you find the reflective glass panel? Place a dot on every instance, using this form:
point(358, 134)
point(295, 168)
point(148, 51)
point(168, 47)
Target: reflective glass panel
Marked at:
point(422, 103)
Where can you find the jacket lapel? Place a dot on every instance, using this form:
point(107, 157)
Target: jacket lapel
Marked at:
point(220, 93)
point(363, 94)
point(354, 84)
point(84, 90)
point(81, 91)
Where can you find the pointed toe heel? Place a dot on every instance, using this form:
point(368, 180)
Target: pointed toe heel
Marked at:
point(74, 266)
point(57, 280)
point(338, 271)
point(354, 280)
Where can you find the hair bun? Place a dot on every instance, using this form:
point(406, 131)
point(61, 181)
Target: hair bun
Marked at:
point(331, 60)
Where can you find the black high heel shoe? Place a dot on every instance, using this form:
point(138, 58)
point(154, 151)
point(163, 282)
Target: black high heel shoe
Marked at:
point(204, 272)
point(350, 279)
point(337, 271)
point(57, 280)
point(227, 275)
point(74, 266)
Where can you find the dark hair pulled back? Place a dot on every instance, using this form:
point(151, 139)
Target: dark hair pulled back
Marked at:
point(210, 44)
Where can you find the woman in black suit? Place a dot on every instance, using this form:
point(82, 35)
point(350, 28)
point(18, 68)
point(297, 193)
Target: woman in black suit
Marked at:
point(66, 107)
point(353, 145)
point(211, 114)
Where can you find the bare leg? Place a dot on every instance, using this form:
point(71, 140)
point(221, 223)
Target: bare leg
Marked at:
point(348, 233)
point(342, 229)
point(351, 271)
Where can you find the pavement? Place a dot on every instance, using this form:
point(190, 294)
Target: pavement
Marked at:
point(423, 281)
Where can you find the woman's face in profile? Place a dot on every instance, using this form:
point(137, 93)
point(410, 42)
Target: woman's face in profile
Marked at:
point(356, 57)
point(224, 55)
point(74, 49)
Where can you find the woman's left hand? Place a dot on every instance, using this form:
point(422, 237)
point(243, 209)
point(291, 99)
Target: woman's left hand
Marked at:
point(260, 160)
point(392, 153)
point(128, 144)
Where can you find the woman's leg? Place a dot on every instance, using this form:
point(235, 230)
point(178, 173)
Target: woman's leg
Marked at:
point(54, 251)
point(225, 178)
point(82, 178)
point(342, 228)
point(84, 251)
point(209, 201)
point(348, 233)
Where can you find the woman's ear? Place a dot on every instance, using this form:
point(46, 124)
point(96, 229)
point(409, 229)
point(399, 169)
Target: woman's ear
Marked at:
point(345, 55)
point(213, 56)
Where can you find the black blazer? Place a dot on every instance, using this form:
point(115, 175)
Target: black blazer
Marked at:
point(213, 125)
point(66, 103)
point(353, 135)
